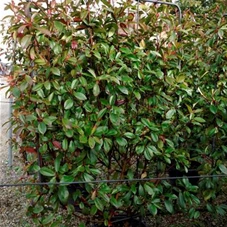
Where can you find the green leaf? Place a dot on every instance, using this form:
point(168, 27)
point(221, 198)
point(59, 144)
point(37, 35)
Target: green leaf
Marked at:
point(66, 179)
point(170, 113)
point(155, 53)
point(83, 14)
point(59, 26)
point(69, 133)
point(141, 190)
point(121, 141)
point(74, 84)
point(123, 89)
point(112, 100)
point(107, 144)
point(223, 169)
point(207, 194)
point(96, 90)
point(199, 119)
point(68, 104)
point(153, 209)
point(149, 189)
point(45, 171)
point(56, 71)
point(213, 109)
point(196, 214)
point(80, 96)
point(93, 210)
point(38, 209)
point(153, 149)
point(92, 72)
point(23, 86)
point(140, 149)
point(63, 194)
point(101, 130)
point(102, 113)
point(47, 85)
point(146, 122)
point(72, 146)
point(137, 94)
point(129, 135)
point(41, 93)
point(180, 79)
point(48, 219)
point(16, 92)
point(88, 177)
point(73, 60)
point(37, 87)
point(91, 142)
point(181, 200)
point(83, 139)
point(99, 204)
point(57, 163)
point(169, 206)
point(26, 41)
point(42, 127)
point(49, 120)
point(154, 137)
point(114, 118)
point(40, 61)
point(149, 124)
point(148, 153)
point(65, 144)
point(115, 202)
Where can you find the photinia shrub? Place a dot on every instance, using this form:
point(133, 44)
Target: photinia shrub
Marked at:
point(110, 96)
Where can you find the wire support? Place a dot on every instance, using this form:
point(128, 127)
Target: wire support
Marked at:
point(154, 179)
point(6, 102)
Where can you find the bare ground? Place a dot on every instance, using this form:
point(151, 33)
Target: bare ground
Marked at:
point(12, 199)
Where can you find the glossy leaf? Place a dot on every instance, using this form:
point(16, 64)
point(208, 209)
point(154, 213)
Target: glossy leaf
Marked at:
point(99, 204)
point(223, 169)
point(80, 96)
point(45, 171)
point(56, 71)
point(68, 104)
point(63, 194)
point(96, 90)
point(169, 206)
point(26, 41)
point(42, 127)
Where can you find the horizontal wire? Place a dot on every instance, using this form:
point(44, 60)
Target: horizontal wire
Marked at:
point(6, 102)
point(108, 181)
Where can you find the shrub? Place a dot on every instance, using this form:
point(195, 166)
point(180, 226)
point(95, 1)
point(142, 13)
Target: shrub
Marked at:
point(109, 101)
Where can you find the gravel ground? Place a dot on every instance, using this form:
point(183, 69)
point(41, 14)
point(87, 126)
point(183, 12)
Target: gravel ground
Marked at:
point(12, 199)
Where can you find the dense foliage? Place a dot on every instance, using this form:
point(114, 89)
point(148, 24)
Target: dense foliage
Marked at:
point(118, 93)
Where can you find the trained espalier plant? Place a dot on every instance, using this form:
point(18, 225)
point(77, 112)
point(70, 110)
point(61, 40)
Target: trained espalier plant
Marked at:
point(108, 96)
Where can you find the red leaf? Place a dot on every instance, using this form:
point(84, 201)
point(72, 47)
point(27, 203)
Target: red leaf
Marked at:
point(20, 35)
point(29, 149)
point(53, 4)
point(57, 144)
point(120, 102)
point(74, 44)
point(77, 19)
